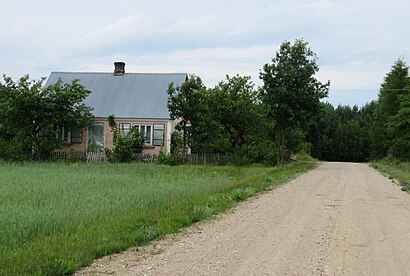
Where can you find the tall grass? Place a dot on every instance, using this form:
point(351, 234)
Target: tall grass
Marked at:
point(395, 169)
point(56, 217)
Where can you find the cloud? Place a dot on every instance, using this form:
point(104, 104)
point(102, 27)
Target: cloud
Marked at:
point(223, 54)
point(359, 76)
point(122, 27)
point(211, 64)
point(356, 41)
point(113, 33)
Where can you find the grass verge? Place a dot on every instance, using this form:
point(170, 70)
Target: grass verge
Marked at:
point(395, 169)
point(56, 218)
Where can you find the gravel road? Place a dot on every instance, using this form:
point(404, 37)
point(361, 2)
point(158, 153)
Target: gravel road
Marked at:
point(339, 219)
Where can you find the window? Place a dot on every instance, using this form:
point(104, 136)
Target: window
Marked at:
point(159, 135)
point(124, 129)
point(96, 137)
point(64, 135)
point(76, 135)
point(146, 131)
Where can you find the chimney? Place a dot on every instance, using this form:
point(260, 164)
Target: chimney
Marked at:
point(119, 68)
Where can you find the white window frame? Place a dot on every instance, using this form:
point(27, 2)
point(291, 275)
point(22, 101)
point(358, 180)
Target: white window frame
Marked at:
point(125, 128)
point(144, 128)
point(65, 135)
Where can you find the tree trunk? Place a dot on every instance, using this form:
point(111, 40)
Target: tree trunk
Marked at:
point(184, 154)
point(280, 142)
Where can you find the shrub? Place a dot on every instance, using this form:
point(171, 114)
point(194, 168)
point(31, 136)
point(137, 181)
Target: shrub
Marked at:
point(264, 152)
point(168, 159)
point(125, 147)
point(10, 150)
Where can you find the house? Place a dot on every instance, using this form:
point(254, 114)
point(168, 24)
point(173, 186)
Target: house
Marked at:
point(136, 99)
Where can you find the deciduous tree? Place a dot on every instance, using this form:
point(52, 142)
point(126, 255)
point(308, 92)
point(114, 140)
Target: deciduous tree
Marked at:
point(233, 103)
point(186, 104)
point(32, 116)
point(291, 90)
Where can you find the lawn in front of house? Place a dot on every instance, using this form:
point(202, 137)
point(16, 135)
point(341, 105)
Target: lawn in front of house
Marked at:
point(57, 217)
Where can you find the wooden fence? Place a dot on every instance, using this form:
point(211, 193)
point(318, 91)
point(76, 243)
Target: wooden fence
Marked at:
point(68, 155)
point(192, 159)
point(208, 159)
point(95, 156)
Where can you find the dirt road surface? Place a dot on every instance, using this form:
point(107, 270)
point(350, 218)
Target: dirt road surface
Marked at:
point(339, 219)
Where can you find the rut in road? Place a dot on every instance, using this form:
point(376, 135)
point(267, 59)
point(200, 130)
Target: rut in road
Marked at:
point(339, 219)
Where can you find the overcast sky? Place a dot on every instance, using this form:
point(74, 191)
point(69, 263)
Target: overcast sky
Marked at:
point(356, 41)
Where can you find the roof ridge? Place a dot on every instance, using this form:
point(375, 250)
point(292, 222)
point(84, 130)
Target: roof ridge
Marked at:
point(109, 73)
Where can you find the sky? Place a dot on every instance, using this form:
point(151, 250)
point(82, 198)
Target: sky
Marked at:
point(356, 41)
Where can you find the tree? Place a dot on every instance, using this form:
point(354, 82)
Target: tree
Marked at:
point(322, 133)
point(233, 104)
point(32, 116)
point(291, 91)
point(342, 134)
point(348, 141)
point(367, 117)
point(393, 88)
point(399, 129)
point(185, 103)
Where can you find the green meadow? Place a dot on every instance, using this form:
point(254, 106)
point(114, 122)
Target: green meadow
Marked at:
point(58, 217)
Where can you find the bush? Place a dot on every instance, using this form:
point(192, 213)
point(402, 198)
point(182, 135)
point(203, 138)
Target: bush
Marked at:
point(169, 159)
point(11, 150)
point(264, 152)
point(125, 147)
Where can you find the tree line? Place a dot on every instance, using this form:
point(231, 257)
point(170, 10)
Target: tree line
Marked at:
point(287, 114)
point(265, 124)
point(378, 129)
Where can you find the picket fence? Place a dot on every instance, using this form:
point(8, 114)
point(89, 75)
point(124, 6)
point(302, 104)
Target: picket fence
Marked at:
point(97, 157)
point(208, 158)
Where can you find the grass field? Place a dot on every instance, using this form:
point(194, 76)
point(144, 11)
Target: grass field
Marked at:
point(395, 169)
point(57, 217)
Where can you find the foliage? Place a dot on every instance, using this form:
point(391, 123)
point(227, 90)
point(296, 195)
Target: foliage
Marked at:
point(35, 115)
point(378, 129)
point(177, 148)
point(228, 118)
point(393, 91)
point(264, 152)
point(125, 146)
point(11, 149)
point(396, 169)
point(342, 133)
point(399, 129)
point(169, 159)
point(176, 156)
point(58, 217)
point(254, 125)
point(394, 85)
point(291, 91)
point(185, 104)
point(233, 104)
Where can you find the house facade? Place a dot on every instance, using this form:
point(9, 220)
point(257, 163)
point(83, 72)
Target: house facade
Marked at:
point(135, 99)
